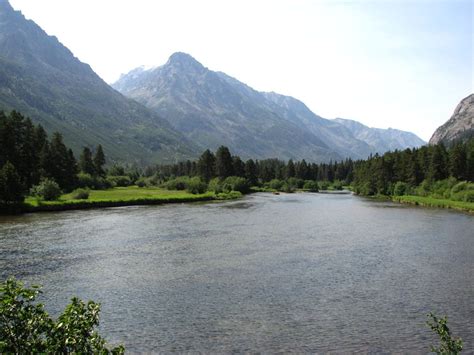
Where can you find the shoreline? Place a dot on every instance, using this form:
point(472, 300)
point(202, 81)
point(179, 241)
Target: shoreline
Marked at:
point(467, 207)
point(85, 204)
point(70, 205)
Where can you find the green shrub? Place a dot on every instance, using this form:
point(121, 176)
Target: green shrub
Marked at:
point(26, 328)
point(142, 182)
point(449, 345)
point(47, 190)
point(337, 185)
point(401, 188)
point(275, 184)
point(287, 188)
point(179, 183)
point(80, 194)
point(424, 189)
point(196, 186)
point(235, 183)
point(324, 185)
point(85, 181)
point(442, 188)
point(228, 195)
point(311, 186)
point(295, 183)
point(468, 196)
point(119, 180)
point(215, 185)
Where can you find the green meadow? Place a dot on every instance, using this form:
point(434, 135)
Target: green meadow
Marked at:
point(435, 202)
point(117, 196)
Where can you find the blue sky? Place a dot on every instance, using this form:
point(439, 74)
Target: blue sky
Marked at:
point(386, 63)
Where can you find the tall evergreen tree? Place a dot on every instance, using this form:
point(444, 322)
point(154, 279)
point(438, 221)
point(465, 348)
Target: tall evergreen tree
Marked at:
point(251, 172)
point(86, 165)
point(290, 169)
point(224, 166)
point(470, 160)
point(438, 169)
point(11, 187)
point(99, 161)
point(238, 166)
point(458, 161)
point(206, 165)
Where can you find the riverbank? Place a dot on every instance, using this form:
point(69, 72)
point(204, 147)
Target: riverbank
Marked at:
point(435, 202)
point(117, 197)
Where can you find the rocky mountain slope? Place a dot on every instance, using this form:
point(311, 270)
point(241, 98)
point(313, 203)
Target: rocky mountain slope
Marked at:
point(382, 139)
point(460, 126)
point(42, 79)
point(212, 108)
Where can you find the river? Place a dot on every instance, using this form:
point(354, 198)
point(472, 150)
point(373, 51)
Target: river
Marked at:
point(294, 272)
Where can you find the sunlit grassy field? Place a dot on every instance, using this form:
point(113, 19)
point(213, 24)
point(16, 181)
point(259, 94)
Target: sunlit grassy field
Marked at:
point(122, 196)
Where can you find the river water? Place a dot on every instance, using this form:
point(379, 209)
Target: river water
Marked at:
point(296, 272)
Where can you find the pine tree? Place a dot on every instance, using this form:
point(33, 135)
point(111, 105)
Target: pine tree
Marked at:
point(251, 172)
point(458, 161)
point(470, 160)
point(438, 163)
point(11, 187)
point(206, 165)
point(99, 161)
point(223, 162)
point(86, 165)
point(290, 169)
point(238, 166)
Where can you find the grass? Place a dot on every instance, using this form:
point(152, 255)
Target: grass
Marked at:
point(435, 202)
point(118, 196)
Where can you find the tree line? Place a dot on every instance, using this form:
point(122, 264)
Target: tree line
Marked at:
point(223, 164)
point(379, 174)
point(28, 158)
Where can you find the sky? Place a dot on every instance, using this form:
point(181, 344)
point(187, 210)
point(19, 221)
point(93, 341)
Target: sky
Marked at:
point(402, 64)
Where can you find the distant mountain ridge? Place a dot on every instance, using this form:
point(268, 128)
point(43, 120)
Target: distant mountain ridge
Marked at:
point(382, 139)
point(460, 126)
point(42, 79)
point(212, 108)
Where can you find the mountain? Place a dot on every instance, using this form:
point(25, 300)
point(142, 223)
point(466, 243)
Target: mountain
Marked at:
point(382, 140)
point(43, 80)
point(212, 108)
point(460, 126)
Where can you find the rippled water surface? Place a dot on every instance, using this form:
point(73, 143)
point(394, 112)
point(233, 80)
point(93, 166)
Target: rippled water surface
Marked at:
point(299, 272)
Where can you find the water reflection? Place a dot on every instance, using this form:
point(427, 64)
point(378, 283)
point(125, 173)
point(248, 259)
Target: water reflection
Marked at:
point(299, 272)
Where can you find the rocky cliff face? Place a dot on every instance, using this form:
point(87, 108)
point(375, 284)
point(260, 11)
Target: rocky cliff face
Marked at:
point(460, 126)
point(213, 109)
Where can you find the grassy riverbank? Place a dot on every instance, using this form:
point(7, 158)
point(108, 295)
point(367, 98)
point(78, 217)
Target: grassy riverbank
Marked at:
point(118, 196)
point(435, 202)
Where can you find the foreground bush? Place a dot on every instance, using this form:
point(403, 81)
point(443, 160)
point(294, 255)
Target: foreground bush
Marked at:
point(26, 328)
point(47, 190)
point(449, 345)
